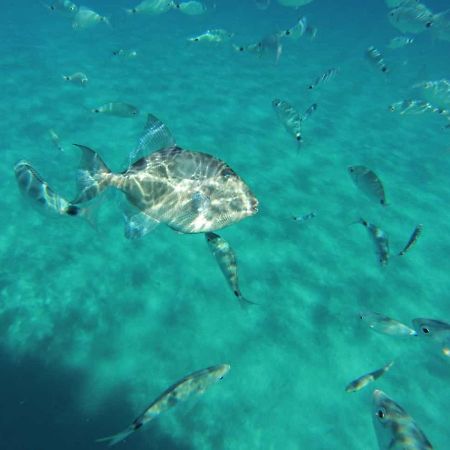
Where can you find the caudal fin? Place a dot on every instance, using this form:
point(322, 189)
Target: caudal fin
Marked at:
point(91, 176)
point(116, 438)
point(243, 302)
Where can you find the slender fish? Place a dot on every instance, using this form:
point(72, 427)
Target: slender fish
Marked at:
point(328, 75)
point(78, 78)
point(364, 380)
point(194, 384)
point(413, 239)
point(55, 140)
point(226, 259)
point(385, 325)
point(394, 427)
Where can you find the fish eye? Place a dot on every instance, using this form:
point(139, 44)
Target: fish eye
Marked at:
point(428, 25)
point(380, 414)
point(221, 378)
point(425, 330)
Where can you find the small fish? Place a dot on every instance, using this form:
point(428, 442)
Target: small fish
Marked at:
point(416, 107)
point(152, 7)
point(413, 239)
point(330, 73)
point(400, 41)
point(55, 140)
point(385, 325)
point(191, 8)
point(364, 380)
point(117, 109)
point(125, 54)
point(376, 58)
point(269, 45)
point(368, 182)
point(437, 92)
point(380, 240)
point(78, 78)
point(305, 218)
point(215, 36)
point(394, 427)
point(435, 330)
point(411, 17)
point(194, 384)
point(297, 31)
point(289, 117)
point(64, 6)
point(35, 189)
point(227, 262)
point(87, 18)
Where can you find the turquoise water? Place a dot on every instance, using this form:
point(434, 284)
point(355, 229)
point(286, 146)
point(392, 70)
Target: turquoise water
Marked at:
point(94, 326)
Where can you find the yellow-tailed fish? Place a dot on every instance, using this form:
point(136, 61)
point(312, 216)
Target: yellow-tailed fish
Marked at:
point(412, 240)
point(118, 109)
point(362, 381)
point(368, 182)
point(394, 427)
point(78, 78)
point(194, 384)
point(380, 240)
point(386, 325)
point(226, 259)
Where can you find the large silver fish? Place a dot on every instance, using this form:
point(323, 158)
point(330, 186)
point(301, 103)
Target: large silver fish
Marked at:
point(152, 7)
point(364, 380)
point(380, 241)
point(191, 192)
point(194, 384)
point(41, 196)
point(394, 427)
point(368, 182)
point(385, 325)
point(435, 330)
point(226, 259)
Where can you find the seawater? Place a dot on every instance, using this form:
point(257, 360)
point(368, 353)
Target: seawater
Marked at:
point(94, 327)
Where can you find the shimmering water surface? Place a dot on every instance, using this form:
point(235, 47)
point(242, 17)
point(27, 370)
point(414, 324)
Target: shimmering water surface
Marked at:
point(95, 326)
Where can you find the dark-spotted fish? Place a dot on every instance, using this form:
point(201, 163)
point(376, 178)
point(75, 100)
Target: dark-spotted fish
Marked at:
point(118, 109)
point(394, 427)
point(87, 18)
point(379, 239)
point(78, 78)
point(226, 259)
point(385, 325)
point(326, 76)
point(194, 384)
point(376, 58)
point(410, 106)
point(41, 196)
point(191, 192)
point(367, 181)
point(368, 378)
point(268, 46)
point(435, 330)
point(297, 31)
point(411, 17)
point(215, 36)
point(412, 240)
point(400, 42)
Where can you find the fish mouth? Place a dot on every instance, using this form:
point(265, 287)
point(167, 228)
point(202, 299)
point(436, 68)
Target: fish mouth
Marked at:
point(254, 204)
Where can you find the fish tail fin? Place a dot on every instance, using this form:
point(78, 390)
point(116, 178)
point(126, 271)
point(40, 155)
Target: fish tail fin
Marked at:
point(388, 366)
point(243, 302)
point(91, 176)
point(116, 438)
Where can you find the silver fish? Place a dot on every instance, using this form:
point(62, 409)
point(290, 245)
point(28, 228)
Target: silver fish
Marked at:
point(297, 31)
point(87, 18)
point(191, 7)
point(368, 182)
point(55, 140)
point(78, 78)
point(400, 41)
point(436, 92)
point(167, 185)
point(416, 107)
point(376, 58)
point(394, 427)
point(435, 330)
point(380, 240)
point(226, 259)
point(412, 240)
point(411, 17)
point(125, 54)
point(305, 218)
point(117, 109)
point(289, 117)
point(326, 76)
point(41, 196)
point(268, 46)
point(152, 7)
point(64, 6)
point(194, 384)
point(385, 325)
point(215, 36)
point(364, 380)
